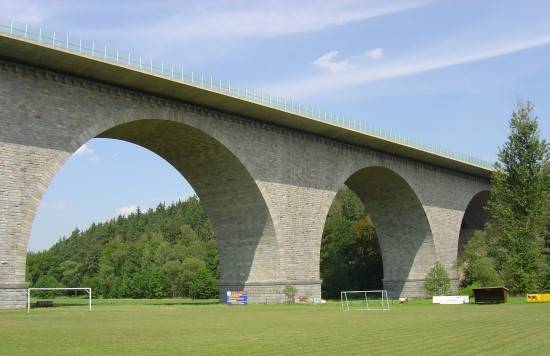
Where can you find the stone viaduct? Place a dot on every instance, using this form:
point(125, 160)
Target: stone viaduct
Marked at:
point(266, 176)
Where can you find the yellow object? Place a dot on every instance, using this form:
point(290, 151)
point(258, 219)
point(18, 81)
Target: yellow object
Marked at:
point(534, 298)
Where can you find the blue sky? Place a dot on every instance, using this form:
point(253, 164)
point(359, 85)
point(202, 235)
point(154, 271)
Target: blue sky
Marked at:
point(443, 72)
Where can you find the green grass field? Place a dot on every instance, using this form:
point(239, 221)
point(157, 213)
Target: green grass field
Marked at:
point(177, 327)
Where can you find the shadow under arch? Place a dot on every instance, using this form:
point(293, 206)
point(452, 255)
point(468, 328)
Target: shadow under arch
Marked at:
point(241, 221)
point(402, 227)
point(475, 217)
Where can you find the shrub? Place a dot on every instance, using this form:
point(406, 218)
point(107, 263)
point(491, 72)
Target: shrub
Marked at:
point(468, 290)
point(437, 281)
point(204, 285)
point(46, 281)
point(483, 273)
point(290, 292)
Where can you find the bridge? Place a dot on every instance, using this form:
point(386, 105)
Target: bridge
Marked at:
point(265, 168)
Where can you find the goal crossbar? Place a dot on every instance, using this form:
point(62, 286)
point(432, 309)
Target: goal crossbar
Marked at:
point(384, 303)
point(87, 290)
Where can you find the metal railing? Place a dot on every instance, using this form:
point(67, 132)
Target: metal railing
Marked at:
point(208, 82)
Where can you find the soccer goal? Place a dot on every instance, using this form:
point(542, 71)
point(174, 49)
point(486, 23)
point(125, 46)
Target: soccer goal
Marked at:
point(364, 300)
point(87, 290)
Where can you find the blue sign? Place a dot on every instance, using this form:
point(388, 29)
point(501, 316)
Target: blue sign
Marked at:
point(238, 297)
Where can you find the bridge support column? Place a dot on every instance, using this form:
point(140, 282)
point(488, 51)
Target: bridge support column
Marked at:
point(404, 288)
point(266, 292)
point(13, 296)
point(22, 169)
point(298, 214)
point(446, 229)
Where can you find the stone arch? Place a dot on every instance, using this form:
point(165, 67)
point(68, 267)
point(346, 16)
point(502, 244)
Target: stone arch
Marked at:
point(243, 228)
point(402, 227)
point(475, 217)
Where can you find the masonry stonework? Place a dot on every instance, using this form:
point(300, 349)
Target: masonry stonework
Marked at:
point(266, 189)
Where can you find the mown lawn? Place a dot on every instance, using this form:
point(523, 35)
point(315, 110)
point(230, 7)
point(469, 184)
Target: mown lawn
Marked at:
point(156, 328)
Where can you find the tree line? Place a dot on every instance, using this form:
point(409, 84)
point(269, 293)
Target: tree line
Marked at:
point(170, 252)
point(164, 252)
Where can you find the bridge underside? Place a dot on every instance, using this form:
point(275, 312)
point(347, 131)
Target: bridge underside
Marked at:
point(266, 189)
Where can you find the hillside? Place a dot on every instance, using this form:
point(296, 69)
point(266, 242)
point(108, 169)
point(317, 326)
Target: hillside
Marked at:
point(170, 252)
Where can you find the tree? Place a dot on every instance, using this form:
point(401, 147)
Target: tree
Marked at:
point(517, 208)
point(479, 268)
point(350, 253)
point(173, 280)
point(192, 270)
point(71, 275)
point(204, 285)
point(129, 256)
point(46, 281)
point(437, 282)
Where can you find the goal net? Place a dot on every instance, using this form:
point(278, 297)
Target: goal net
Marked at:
point(364, 300)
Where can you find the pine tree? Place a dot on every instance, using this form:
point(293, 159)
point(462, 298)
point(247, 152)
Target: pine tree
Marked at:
point(517, 206)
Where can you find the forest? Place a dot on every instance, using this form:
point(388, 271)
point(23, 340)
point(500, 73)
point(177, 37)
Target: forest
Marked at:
point(170, 252)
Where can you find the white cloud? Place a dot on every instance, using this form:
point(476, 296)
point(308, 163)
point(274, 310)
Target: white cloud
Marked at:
point(262, 19)
point(376, 53)
point(326, 61)
point(329, 63)
point(126, 210)
point(360, 71)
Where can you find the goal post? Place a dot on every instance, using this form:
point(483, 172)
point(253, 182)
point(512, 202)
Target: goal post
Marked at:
point(87, 290)
point(365, 300)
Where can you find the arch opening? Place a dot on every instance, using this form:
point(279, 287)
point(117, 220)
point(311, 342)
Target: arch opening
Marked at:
point(401, 227)
point(350, 252)
point(475, 217)
point(241, 223)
